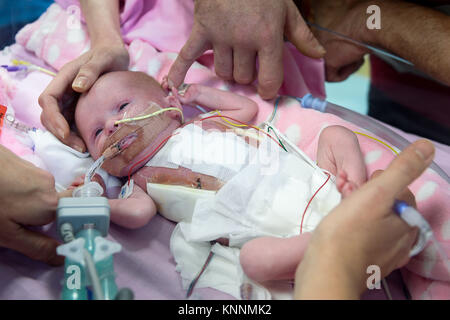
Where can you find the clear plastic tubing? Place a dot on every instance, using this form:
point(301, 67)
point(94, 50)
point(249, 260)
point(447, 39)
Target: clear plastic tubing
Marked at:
point(442, 254)
point(93, 169)
point(383, 132)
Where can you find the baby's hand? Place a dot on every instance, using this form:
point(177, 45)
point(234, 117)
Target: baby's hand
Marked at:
point(186, 93)
point(166, 84)
point(79, 181)
point(345, 186)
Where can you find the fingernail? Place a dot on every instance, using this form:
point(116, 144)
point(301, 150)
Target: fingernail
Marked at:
point(425, 149)
point(322, 50)
point(79, 82)
point(61, 134)
point(266, 94)
point(78, 148)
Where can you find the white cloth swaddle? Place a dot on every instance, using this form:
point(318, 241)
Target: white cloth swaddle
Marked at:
point(265, 194)
point(63, 162)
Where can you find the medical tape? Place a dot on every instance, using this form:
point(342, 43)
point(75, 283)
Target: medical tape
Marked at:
point(133, 137)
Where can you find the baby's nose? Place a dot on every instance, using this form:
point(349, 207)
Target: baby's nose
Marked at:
point(110, 126)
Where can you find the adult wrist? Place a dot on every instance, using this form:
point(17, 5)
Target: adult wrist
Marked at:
point(107, 39)
point(390, 11)
point(359, 29)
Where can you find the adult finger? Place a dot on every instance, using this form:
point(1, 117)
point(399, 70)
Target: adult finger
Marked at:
point(298, 33)
point(36, 246)
point(380, 192)
point(51, 116)
point(76, 142)
point(405, 195)
point(405, 168)
point(244, 65)
point(410, 234)
point(89, 72)
point(351, 68)
point(40, 211)
point(223, 62)
point(65, 194)
point(196, 45)
point(270, 74)
point(65, 135)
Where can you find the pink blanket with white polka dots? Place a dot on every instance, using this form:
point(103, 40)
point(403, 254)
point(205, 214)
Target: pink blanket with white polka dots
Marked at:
point(153, 40)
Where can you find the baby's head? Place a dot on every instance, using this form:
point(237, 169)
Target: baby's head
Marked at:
point(119, 95)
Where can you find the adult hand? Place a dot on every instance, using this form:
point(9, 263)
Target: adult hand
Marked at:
point(28, 198)
point(58, 100)
point(363, 231)
point(238, 32)
point(347, 17)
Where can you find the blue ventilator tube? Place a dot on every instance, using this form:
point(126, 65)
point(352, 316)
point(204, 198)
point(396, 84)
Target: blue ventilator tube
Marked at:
point(369, 124)
point(414, 219)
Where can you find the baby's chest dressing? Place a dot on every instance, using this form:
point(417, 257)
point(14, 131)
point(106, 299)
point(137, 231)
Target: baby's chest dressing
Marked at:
point(192, 165)
point(212, 153)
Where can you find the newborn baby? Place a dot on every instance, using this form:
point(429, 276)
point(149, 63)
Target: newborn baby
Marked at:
point(149, 160)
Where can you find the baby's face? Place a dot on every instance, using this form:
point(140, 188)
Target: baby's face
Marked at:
point(114, 96)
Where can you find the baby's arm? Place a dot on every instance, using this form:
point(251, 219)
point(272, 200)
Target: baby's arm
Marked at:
point(233, 105)
point(132, 212)
point(339, 153)
point(271, 258)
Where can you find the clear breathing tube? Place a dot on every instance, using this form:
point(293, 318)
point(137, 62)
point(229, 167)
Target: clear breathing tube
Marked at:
point(414, 219)
point(406, 212)
point(409, 214)
point(378, 129)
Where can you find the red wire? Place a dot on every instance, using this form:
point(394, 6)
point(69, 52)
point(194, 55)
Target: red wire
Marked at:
point(147, 156)
point(221, 116)
point(165, 140)
point(240, 122)
point(310, 200)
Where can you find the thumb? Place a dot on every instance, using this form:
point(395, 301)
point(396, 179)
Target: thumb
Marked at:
point(298, 33)
point(36, 246)
point(405, 168)
point(86, 76)
point(65, 194)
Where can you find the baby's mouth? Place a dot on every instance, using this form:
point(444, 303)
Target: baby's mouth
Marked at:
point(133, 139)
point(119, 146)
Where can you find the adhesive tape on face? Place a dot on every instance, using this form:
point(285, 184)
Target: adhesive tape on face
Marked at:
point(144, 132)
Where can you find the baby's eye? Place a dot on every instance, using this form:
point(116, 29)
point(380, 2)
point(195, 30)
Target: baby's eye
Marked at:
point(98, 132)
point(123, 106)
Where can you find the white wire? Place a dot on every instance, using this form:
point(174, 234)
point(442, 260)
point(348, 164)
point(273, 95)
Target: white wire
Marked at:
point(386, 288)
point(98, 293)
point(201, 109)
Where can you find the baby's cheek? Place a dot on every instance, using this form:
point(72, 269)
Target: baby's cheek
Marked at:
point(94, 150)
